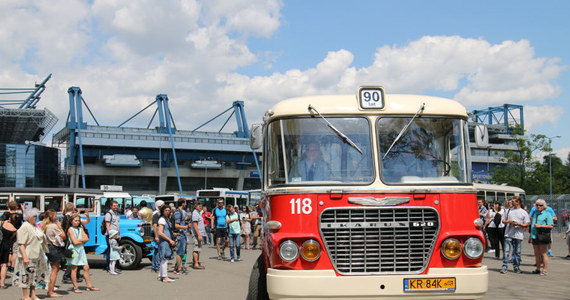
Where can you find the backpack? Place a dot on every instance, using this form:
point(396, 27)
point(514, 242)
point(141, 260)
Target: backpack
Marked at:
point(497, 219)
point(103, 225)
point(173, 221)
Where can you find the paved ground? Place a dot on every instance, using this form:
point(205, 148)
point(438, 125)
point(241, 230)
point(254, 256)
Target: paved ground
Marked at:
point(225, 280)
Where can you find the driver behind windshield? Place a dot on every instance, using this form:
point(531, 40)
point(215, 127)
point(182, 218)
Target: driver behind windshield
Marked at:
point(312, 167)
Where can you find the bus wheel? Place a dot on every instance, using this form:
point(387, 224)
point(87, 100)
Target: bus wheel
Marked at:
point(131, 255)
point(258, 281)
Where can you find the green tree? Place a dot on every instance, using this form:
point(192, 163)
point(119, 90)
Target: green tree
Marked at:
point(522, 169)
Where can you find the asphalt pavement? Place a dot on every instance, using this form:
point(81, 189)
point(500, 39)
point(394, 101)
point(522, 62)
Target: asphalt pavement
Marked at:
point(226, 280)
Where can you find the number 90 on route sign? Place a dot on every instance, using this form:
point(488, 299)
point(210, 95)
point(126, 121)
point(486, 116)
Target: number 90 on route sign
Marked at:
point(371, 97)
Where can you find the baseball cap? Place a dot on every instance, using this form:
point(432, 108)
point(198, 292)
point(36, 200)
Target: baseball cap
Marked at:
point(159, 203)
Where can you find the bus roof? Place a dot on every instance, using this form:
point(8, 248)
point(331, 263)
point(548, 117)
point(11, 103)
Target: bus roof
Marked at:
point(41, 190)
point(348, 104)
point(497, 187)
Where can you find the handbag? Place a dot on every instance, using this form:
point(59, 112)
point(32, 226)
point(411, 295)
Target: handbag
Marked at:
point(67, 253)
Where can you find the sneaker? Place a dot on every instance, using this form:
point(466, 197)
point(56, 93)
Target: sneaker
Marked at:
point(549, 252)
point(219, 257)
point(518, 271)
point(238, 258)
point(567, 256)
point(491, 251)
point(113, 273)
point(232, 260)
point(503, 270)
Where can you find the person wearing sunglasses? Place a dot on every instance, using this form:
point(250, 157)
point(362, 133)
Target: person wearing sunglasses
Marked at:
point(541, 224)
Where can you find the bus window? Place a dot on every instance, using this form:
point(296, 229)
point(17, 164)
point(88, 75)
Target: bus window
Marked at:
point(429, 150)
point(84, 202)
point(29, 201)
point(306, 150)
point(491, 196)
point(4, 202)
point(53, 202)
point(481, 195)
point(501, 197)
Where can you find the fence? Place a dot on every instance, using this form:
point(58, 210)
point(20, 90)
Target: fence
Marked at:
point(560, 203)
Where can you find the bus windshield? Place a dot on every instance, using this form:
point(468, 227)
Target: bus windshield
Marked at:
point(430, 150)
point(307, 151)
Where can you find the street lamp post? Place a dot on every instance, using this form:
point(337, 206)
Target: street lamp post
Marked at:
point(550, 162)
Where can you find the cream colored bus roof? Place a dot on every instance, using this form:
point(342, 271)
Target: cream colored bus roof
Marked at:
point(348, 104)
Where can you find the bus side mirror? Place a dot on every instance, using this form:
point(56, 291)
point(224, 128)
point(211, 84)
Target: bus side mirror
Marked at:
point(256, 136)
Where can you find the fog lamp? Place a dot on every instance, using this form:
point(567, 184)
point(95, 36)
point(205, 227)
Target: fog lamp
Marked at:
point(310, 250)
point(451, 248)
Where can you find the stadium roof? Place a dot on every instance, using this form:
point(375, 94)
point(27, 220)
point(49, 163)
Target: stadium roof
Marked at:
point(21, 125)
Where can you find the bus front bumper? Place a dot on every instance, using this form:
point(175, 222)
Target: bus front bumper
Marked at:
point(325, 284)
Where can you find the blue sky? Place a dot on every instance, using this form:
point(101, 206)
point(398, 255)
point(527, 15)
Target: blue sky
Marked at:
point(206, 54)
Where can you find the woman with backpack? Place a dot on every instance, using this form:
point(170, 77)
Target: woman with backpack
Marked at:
point(496, 228)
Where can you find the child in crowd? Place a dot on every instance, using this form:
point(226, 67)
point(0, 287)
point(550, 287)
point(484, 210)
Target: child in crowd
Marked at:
point(114, 252)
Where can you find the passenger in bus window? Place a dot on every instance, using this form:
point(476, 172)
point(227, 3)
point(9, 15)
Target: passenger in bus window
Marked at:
point(312, 167)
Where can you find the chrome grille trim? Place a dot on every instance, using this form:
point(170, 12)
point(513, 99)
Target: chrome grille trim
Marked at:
point(384, 240)
point(147, 229)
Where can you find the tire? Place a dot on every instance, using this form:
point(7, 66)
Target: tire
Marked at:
point(258, 281)
point(131, 255)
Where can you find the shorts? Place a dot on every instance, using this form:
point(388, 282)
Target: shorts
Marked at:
point(537, 242)
point(221, 233)
point(197, 244)
point(54, 256)
point(181, 245)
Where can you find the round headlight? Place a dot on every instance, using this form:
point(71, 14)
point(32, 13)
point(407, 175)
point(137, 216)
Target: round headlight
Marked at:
point(310, 250)
point(451, 248)
point(288, 251)
point(473, 248)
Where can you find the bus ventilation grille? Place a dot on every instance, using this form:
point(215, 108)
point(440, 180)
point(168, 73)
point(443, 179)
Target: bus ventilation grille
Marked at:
point(379, 240)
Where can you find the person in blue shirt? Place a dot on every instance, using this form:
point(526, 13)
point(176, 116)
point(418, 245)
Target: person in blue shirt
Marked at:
point(221, 234)
point(541, 221)
point(549, 210)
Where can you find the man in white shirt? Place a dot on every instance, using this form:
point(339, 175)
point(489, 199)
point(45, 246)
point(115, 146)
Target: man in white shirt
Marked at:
point(515, 219)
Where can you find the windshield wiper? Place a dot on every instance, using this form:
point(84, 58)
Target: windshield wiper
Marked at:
point(343, 137)
point(404, 129)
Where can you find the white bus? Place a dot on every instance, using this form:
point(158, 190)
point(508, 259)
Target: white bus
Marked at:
point(497, 192)
point(210, 196)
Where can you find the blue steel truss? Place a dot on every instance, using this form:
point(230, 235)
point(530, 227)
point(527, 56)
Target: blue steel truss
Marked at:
point(166, 126)
point(508, 115)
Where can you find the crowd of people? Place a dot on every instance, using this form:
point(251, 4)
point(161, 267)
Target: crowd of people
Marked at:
point(36, 246)
point(504, 228)
point(176, 226)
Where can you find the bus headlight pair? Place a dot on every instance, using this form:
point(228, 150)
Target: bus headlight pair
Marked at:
point(452, 249)
point(289, 251)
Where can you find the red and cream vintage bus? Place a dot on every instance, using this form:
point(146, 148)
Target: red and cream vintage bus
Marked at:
point(367, 196)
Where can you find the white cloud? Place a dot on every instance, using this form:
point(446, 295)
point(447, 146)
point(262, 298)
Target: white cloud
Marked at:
point(123, 53)
point(535, 116)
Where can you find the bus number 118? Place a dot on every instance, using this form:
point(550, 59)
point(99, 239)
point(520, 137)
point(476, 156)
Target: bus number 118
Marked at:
point(299, 206)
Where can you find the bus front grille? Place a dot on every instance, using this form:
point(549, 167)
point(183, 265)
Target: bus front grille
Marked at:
point(379, 240)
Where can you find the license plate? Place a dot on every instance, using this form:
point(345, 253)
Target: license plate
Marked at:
point(429, 284)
